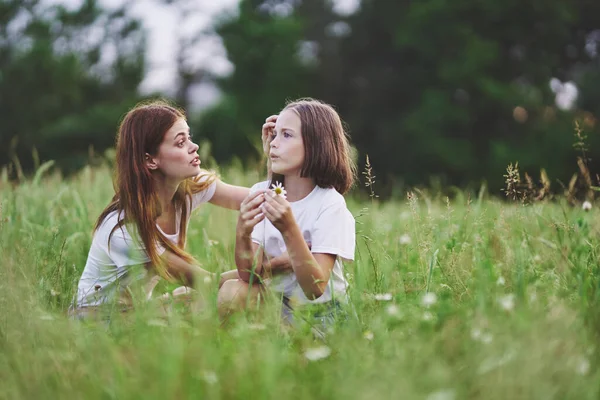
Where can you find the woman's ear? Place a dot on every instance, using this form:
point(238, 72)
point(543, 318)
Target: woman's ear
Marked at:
point(150, 162)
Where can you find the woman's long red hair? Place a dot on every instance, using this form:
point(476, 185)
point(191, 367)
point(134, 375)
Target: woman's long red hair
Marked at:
point(141, 132)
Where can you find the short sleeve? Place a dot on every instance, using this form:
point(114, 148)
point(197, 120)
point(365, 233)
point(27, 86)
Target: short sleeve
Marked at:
point(334, 232)
point(205, 195)
point(125, 249)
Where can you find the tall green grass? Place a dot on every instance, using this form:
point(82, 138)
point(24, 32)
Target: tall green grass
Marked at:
point(512, 310)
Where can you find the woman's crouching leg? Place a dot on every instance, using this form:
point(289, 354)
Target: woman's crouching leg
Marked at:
point(235, 295)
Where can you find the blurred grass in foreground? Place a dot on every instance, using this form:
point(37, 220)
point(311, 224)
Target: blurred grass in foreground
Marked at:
point(513, 310)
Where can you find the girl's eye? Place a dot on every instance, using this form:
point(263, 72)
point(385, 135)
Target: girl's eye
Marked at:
point(286, 135)
point(180, 144)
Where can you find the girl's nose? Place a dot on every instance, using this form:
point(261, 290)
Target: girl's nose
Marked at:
point(194, 148)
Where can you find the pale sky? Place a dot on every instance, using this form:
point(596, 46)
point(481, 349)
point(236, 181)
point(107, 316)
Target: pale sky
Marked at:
point(164, 25)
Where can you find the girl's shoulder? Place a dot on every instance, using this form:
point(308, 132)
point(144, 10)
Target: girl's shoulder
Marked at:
point(328, 197)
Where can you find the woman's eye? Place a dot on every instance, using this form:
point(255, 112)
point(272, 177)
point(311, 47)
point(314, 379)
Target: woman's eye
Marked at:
point(180, 144)
point(286, 135)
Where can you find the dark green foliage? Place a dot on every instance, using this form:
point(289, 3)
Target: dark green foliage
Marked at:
point(58, 94)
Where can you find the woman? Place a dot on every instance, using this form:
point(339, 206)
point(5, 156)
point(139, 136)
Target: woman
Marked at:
point(141, 234)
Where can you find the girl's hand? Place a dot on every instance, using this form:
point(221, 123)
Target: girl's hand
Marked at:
point(250, 213)
point(267, 130)
point(277, 210)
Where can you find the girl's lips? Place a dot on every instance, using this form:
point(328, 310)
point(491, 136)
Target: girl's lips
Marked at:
point(195, 162)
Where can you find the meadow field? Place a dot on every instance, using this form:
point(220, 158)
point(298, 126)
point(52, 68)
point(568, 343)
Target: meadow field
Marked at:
point(462, 298)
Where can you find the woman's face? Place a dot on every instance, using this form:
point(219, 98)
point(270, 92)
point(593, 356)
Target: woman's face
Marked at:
point(176, 157)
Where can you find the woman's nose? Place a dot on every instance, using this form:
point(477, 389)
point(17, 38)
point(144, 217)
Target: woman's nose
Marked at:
point(194, 148)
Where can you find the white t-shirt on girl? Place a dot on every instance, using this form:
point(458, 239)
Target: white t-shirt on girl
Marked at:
point(328, 225)
point(109, 273)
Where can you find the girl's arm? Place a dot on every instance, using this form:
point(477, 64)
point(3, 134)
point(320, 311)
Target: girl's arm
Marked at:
point(245, 250)
point(312, 270)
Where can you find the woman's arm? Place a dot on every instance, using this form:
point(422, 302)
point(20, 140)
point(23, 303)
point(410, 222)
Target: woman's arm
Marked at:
point(188, 274)
point(312, 270)
point(229, 196)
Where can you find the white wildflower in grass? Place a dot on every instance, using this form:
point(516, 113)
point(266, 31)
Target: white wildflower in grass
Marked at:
point(501, 281)
point(210, 377)
point(278, 189)
point(317, 353)
point(54, 293)
point(383, 296)
point(369, 335)
point(429, 299)
point(207, 279)
point(476, 334)
point(257, 327)
point(587, 206)
point(393, 311)
point(486, 338)
point(212, 242)
point(405, 239)
point(507, 302)
point(491, 364)
point(427, 316)
point(156, 322)
point(537, 258)
point(583, 366)
point(444, 394)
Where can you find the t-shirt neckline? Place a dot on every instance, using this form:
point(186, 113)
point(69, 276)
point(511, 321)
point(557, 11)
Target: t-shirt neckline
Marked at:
point(305, 198)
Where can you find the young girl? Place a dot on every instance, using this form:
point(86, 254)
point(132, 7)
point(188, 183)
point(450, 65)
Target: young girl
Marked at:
point(141, 234)
point(294, 239)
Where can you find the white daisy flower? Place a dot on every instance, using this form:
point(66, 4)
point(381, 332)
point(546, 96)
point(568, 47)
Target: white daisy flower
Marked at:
point(587, 206)
point(405, 239)
point(393, 310)
point(210, 377)
point(507, 303)
point(583, 366)
point(278, 189)
point(383, 296)
point(501, 281)
point(317, 353)
point(446, 394)
point(429, 299)
point(369, 335)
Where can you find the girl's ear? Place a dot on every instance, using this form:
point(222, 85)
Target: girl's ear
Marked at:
point(151, 162)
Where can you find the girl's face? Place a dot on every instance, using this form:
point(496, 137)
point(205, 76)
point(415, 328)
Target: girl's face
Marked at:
point(176, 157)
point(287, 146)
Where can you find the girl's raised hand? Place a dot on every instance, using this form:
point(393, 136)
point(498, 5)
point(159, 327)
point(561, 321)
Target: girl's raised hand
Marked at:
point(250, 212)
point(267, 130)
point(277, 210)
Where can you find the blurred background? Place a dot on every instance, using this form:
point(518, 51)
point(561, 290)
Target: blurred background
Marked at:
point(435, 92)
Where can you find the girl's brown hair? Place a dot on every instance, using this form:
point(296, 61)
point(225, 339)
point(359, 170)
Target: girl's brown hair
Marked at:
point(141, 131)
point(327, 153)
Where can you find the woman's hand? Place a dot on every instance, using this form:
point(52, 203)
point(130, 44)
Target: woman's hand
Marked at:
point(250, 213)
point(278, 210)
point(267, 130)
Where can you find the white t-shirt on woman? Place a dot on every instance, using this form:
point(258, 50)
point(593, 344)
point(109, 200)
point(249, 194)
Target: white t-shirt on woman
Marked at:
point(328, 225)
point(107, 274)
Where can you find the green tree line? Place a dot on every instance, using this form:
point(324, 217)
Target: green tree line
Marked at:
point(455, 89)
